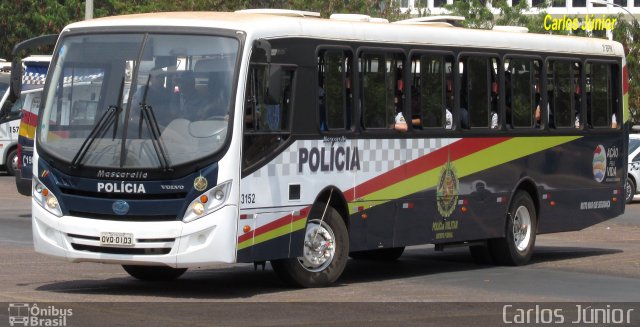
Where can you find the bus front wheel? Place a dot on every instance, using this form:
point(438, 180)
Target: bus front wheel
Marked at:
point(154, 273)
point(516, 248)
point(325, 252)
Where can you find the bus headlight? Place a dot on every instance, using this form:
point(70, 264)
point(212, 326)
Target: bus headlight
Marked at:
point(45, 198)
point(208, 202)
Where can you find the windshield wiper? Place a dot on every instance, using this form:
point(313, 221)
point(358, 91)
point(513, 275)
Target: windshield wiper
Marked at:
point(108, 118)
point(146, 114)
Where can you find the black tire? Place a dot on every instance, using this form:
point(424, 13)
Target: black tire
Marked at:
point(300, 271)
point(154, 273)
point(515, 250)
point(388, 254)
point(629, 190)
point(12, 162)
point(481, 254)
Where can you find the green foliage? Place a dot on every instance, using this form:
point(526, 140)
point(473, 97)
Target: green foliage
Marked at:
point(24, 19)
point(475, 12)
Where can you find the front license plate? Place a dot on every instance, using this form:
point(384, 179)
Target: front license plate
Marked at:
point(121, 239)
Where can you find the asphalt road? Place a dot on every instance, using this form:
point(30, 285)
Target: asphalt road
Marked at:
point(599, 264)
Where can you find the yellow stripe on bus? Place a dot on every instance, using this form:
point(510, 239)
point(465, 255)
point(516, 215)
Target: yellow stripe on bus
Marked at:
point(280, 231)
point(27, 130)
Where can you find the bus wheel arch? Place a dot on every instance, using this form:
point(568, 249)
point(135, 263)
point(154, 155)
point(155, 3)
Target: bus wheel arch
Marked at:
point(336, 200)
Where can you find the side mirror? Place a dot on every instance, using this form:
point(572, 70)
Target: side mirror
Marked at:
point(16, 63)
point(15, 81)
point(264, 45)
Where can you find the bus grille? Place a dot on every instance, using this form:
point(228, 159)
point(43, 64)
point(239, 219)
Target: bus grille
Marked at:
point(124, 196)
point(111, 250)
point(101, 216)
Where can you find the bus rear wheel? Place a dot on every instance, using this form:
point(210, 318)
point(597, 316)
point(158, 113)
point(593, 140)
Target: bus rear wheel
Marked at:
point(516, 248)
point(325, 251)
point(154, 273)
point(389, 254)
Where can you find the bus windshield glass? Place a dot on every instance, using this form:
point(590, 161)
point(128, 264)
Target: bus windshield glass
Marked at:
point(138, 100)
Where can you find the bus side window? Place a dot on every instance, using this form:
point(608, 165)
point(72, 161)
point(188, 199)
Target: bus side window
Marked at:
point(566, 93)
point(382, 90)
point(521, 96)
point(334, 90)
point(479, 92)
point(267, 112)
point(601, 102)
point(429, 105)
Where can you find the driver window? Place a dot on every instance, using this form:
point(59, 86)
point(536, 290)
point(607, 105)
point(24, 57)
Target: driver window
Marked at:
point(267, 107)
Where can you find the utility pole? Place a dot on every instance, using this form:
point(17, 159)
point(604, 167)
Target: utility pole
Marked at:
point(88, 10)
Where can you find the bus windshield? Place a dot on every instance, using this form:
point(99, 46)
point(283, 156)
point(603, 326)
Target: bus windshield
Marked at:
point(138, 100)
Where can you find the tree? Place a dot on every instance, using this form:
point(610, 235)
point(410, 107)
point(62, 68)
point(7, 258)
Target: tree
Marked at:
point(628, 34)
point(475, 12)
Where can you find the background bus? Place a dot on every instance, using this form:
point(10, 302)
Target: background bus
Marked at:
point(9, 124)
point(255, 136)
point(35, 72)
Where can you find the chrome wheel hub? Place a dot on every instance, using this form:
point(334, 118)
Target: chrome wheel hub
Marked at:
point(522, 228)
point(319, 247)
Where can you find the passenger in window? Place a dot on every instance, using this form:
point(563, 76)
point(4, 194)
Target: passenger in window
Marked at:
point(449, 106)
point(400, 124)
point(322, 109)
point(614, 121)
point(155, 95)
point(192, 104)
point(494, 104)
point(416, 112)
point(507, 99)
point(537, 115)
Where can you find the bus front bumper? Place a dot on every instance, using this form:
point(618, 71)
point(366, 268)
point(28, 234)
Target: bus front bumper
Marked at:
point(208, 240)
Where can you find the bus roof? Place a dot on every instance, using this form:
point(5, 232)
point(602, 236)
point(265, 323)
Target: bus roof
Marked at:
point(268, 26)
point(37, 58)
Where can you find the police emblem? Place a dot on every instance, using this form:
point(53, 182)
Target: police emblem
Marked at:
point(200, 184)
point(447, 190)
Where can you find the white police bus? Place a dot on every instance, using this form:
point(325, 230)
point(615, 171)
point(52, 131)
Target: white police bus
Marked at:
point(175, 140)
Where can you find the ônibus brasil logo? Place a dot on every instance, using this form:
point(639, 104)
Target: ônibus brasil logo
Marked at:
point(25, 314)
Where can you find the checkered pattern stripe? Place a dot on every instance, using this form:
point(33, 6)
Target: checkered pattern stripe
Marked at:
point(39, 79)
point(33, 79)
point(376, 156)
point(81, 78)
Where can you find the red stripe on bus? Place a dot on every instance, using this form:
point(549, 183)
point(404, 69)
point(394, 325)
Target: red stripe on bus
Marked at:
point(274, 224)
point(459, 149)
point(29, 118)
